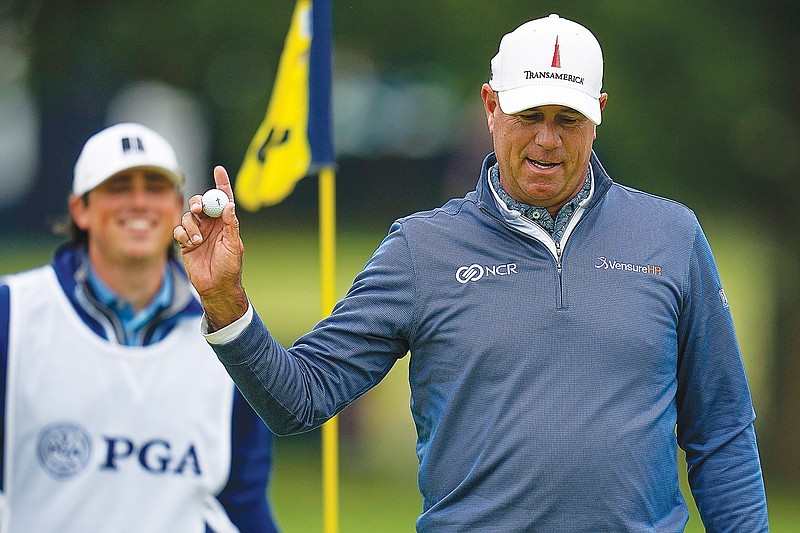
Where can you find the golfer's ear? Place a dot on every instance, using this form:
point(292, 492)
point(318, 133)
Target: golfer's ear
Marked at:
point(490, 104)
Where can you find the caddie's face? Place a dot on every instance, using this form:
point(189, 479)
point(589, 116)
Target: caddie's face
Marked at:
point(543, 152)
point(129, 217)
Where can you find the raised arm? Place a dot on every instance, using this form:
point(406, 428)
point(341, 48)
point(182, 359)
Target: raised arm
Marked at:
point(212, 251)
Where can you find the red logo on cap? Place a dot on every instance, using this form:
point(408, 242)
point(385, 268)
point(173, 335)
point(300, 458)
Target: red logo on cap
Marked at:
point(556, 56)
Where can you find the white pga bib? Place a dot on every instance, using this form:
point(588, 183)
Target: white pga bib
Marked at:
point(102, 437)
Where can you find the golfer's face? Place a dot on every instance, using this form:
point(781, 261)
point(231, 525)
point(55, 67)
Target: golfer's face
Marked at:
point(543, 152)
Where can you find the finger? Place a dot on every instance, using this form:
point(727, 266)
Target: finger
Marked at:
point(189, 225)
point(230, 220)
point(223, 182)
point(181, 237)
point(196, 205)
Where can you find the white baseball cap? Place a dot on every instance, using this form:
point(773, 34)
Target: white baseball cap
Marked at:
point(549, 61)
point(121, 147)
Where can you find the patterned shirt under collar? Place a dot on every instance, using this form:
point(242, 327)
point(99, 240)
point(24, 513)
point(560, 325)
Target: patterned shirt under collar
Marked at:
point(540, 215)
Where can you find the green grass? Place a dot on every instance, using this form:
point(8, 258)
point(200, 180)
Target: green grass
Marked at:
point(377, 462)
point(369, 502)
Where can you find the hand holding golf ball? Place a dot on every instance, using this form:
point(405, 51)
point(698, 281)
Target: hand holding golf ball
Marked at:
point(214, 200)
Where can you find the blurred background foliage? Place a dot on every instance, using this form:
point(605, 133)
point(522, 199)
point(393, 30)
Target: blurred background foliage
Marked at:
point(703, 108)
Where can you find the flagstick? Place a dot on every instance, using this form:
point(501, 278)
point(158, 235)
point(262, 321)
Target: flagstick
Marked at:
point(330, 430)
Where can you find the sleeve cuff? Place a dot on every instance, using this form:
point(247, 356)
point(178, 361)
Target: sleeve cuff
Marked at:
point(229, 332)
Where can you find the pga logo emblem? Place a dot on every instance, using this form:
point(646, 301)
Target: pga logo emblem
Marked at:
point(64, 450)
point(155, 456)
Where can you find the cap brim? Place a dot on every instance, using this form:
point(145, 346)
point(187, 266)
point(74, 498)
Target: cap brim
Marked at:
point(515, 100)
point(87, 185)
point(171, 174)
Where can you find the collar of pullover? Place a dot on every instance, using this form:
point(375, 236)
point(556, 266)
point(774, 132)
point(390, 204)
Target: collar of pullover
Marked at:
point(540, 215)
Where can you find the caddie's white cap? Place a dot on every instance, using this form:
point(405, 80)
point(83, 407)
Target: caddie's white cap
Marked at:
point(121, 147)
point(549, 61)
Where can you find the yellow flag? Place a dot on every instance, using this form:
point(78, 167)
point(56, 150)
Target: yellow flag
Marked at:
point(279, 154)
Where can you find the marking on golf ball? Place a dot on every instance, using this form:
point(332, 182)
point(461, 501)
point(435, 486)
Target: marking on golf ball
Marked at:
point(213, 202)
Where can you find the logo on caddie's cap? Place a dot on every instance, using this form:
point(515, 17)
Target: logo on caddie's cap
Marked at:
point(549, 61)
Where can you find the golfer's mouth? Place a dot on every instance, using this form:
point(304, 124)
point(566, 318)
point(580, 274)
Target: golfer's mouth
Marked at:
point(544, 165)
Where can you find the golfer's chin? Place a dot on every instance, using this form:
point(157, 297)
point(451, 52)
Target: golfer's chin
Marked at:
point(541, 195)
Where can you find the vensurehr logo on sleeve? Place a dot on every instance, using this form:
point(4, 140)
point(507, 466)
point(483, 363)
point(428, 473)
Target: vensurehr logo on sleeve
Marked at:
point(604, 263)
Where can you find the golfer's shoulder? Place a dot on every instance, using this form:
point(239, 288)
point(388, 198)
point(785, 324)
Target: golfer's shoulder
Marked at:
point(453, 213)
point(641, 205)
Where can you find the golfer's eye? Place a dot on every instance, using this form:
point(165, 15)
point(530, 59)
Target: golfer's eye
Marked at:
point(530, 117)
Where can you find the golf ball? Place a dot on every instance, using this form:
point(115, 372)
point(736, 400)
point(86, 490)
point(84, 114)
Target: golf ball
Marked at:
point(213, 202)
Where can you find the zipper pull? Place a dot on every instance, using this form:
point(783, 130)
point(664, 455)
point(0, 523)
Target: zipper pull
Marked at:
point(558, 258)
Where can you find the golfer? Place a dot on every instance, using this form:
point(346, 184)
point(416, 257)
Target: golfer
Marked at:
point(560, 327)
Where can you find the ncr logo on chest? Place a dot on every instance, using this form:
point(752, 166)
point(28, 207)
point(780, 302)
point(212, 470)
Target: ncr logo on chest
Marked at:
point(476, 272)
